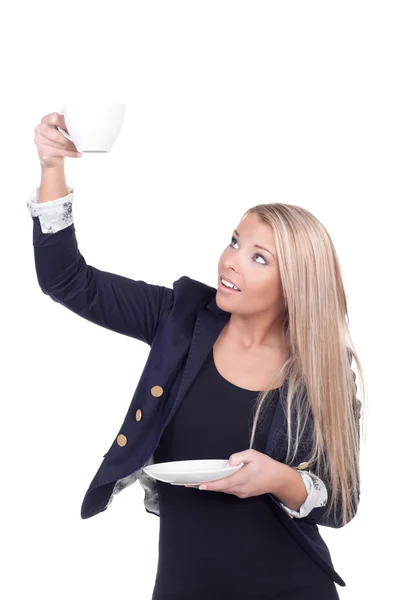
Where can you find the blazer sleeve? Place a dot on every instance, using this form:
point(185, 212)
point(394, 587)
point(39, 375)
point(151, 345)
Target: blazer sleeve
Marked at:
point(317, 495)
point(319, 515)
point(127, 306)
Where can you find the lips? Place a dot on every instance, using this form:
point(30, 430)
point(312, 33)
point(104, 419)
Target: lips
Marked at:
point(229, 281)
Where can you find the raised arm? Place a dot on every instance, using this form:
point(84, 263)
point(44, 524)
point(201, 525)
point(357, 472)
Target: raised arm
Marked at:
point(127, 306)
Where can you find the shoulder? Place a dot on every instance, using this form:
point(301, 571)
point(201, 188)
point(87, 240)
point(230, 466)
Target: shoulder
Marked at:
point(192, 292)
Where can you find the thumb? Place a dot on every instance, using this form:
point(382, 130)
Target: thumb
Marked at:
point(239, 457)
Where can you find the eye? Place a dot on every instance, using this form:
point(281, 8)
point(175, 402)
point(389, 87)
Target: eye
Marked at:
point(234, 241)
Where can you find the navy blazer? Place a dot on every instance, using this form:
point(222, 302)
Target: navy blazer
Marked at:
point(180, 324)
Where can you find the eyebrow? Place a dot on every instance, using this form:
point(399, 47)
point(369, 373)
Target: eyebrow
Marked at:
point(255, 245)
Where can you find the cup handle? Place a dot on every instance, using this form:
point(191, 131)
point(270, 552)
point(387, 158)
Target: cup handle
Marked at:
point(64, 132)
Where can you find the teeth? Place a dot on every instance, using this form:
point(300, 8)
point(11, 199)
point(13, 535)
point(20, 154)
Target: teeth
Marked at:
point(227, 284)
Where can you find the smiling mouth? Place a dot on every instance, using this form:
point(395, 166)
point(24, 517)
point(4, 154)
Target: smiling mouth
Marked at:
point(228, 287)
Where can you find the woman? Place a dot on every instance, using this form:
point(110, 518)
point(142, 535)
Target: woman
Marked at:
point(263, 365)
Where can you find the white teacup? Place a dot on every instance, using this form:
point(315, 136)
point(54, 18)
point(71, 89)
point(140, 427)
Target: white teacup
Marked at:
point(93, 126)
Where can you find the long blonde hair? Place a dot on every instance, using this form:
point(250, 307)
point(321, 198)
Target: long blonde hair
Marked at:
point(320, 381)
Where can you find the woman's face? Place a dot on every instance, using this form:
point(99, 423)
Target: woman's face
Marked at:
point(252, 269)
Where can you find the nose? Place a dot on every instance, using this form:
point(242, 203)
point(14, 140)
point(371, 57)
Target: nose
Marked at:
point(229, 266)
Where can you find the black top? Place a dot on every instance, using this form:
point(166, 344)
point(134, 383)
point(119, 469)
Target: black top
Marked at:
point(215, 545)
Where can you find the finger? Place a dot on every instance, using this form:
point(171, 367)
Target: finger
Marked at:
point(219, 486)
point(55, 119)
point(49, 151)
point(237, 478)
point(44, 141)
point(53, 136)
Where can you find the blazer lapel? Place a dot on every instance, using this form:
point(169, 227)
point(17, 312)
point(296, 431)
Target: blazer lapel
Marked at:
point(209, 324)
point(206, 330)
point(277, 436)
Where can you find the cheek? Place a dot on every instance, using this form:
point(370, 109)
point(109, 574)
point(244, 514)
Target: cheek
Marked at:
point(264, 288)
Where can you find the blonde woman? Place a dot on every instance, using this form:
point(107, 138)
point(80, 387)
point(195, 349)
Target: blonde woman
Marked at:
point(257, 370)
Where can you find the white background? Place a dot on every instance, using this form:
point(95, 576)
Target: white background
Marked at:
point(229, 104)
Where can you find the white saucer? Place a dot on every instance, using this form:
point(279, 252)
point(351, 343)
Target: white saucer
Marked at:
point(191, 472)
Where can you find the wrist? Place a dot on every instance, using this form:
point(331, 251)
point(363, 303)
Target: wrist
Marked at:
point(46, 168)
point(53, 184)
point(279, 481)
point(288, 487)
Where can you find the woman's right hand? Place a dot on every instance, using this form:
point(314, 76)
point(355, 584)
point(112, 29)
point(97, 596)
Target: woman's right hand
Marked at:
point(51, 144)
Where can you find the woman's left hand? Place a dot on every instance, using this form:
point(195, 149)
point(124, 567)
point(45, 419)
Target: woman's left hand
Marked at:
point(258, 475)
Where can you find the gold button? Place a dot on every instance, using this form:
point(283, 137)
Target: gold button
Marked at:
point(302, 465)
point(122, 440)
point(157, 391)
point(138, 414)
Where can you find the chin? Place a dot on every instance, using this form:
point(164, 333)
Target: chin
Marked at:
point(219, 299)
point(222, 299)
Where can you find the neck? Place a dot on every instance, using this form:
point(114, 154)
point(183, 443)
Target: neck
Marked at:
point(255, 332)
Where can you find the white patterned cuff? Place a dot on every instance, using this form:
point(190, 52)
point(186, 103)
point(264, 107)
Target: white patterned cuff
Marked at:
point(317, 495)
point(53, 215)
